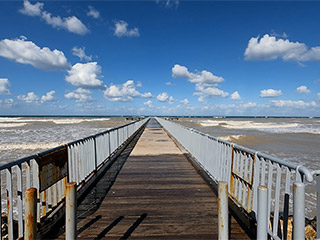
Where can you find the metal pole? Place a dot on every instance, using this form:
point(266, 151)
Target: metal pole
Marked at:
point(71, 211)
point(318, 205)
point(223, 220)
point(262, 220)
point(30, 227)
point(298, 210)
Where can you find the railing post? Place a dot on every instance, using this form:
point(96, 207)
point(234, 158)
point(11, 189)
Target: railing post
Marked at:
point(318, 205)
point(262, 218)
point(298, 210)
point(71, 211)
point(223, 215)
point(30, 214)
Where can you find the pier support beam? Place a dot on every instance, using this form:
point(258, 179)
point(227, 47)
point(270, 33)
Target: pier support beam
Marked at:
point(30, 228)
point(223, 218)
point(298, 210)
point(262, 218)
point(71, 211)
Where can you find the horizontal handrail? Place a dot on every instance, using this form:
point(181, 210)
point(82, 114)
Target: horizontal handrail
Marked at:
point(245, 169)
point(50, 170)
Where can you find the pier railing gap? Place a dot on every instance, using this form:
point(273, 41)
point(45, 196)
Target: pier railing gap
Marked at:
point(49, 172)
point(245, 170)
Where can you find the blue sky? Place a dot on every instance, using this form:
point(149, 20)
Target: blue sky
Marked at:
point(160, 58)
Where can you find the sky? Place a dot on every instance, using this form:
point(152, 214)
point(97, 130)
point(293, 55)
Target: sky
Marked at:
point(208, 58)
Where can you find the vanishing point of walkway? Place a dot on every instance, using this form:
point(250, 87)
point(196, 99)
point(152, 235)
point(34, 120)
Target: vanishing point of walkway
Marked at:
point(157, 195)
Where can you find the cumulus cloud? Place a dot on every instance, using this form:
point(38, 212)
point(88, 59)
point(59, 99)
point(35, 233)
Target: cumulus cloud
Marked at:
point(168, 3)
point(162, 97)
point(204, 77)
point(93, 12)
point(148, 103)
point(293, 104)
point(71, 24)
point(235, 96)
point(31, 9)
point(80, 52)
point(185, 101)
point(26, 52)
point(31, 97)
point(4, 86)
point(146, 95)
point(125, 92)
point(121, 30)
point(7, 102)
point(169, 84)
point(205, 82)
point(270, 48)
point(80, 95)
point(85, 75)
point(270, 93)
point(303, 89)
point(249, 105)
point(48, 97)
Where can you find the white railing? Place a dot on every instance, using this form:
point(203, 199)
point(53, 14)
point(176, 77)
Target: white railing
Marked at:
point(244, 170)
point(82, 158)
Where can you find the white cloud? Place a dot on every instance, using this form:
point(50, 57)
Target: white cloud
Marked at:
point(71, 24)
point(205, 81)
point(169, 84)
point(79, 52)
point(146, 95)
point(204, 77)
point(48, 97)
point(31, 9)
point(168, 3)
point(148, 103)
point(171, 100)
point(93, 12)
point(4, 86)
point(162, 97)
point(122, 93)
point(80, 95)
point(27, 52)
point(318, 94)
point(85, 75)
point(121, 30)
point(249, 105)
point(293, 104)
point(31, 97)
point(139, 84)
point(270, 48)
point(303, 89)
point(185, 101)
point(235, 96)
point(269, 93)
point(7, 102)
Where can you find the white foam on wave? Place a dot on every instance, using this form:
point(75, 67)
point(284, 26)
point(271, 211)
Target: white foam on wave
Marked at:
point(4, 120)
point(12, 125)
point(29, 146)
point(231, 137)
point(274, 127)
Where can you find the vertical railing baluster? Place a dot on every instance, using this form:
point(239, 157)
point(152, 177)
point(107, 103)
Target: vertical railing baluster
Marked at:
point(19, 200)
point(9, 203)
point(277, 200)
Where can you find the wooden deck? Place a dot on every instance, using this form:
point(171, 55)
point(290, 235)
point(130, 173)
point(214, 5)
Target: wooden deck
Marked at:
point(157, 195)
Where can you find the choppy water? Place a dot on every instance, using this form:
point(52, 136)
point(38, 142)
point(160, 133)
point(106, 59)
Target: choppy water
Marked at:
point(292, 139)
point(23, 136)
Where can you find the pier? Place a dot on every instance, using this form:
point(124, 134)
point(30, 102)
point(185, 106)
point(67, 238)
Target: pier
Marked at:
point(155, 179)
point(157, 195)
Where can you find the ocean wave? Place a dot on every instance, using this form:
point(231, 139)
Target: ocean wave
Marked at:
point(29, 146)
point(274, 127)
point(4, 120)
point(231, 138)
point(12, 125)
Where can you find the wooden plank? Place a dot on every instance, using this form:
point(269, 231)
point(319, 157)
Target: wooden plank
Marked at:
point(158, 195)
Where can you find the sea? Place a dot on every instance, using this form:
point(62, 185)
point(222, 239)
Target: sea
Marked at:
point(295, 140)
